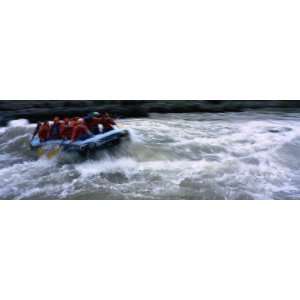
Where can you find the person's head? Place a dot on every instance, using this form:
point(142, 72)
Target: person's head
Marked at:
point(56, 119)
point(46, 123)
point(80, 121)
point(66, 120)
point(88, 118)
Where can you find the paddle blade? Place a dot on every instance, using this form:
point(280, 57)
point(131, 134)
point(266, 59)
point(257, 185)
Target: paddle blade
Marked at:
point(54, 152)
point(40, 152)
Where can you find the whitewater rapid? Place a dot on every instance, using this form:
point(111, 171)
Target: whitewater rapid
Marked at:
point(249, 155)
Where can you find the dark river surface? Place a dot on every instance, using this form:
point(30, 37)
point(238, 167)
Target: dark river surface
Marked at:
point(244, 155)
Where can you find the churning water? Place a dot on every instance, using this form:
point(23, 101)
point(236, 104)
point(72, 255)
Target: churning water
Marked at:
point(249, 155)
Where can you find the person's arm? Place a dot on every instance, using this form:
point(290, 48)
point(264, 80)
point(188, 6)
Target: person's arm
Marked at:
point(48, 134)
point(74, 134)
point(100, 120)
point(112, 122)
point(88, 131)
point(62, 130)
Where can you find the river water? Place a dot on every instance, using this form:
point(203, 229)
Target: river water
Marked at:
point(248, 155)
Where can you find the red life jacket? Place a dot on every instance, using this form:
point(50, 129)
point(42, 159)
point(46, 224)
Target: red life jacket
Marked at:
point(55, 131)
point(66, 130)
point(92, 123)
point(107, 122)
point(79, 131)
point(44, 132)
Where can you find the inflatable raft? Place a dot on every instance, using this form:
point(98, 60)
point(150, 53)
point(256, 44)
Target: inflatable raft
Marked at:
point(96, 142)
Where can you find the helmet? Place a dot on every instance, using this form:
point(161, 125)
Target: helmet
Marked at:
point(96, 114)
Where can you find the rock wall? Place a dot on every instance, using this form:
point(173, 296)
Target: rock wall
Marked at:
point(40, 110)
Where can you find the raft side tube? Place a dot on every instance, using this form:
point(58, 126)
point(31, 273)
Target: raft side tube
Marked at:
point(96, 141)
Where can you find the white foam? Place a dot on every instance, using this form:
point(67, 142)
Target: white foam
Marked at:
point(135, 137)
point(108, 165)
point(18, 123)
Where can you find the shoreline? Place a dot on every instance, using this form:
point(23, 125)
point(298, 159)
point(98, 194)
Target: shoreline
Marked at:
point(41, 110)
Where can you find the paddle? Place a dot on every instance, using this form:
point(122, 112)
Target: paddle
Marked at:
point(40, 152)
point(54, 152)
